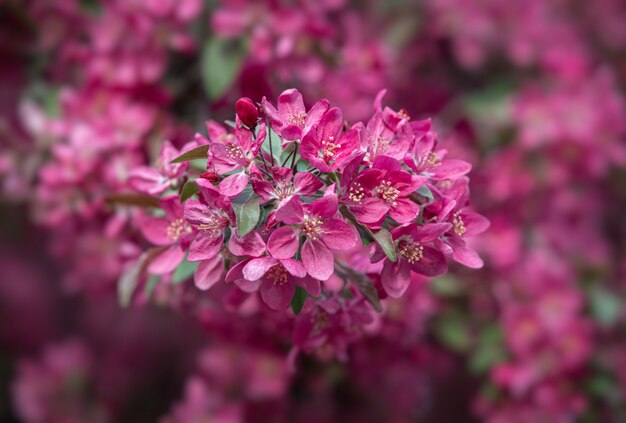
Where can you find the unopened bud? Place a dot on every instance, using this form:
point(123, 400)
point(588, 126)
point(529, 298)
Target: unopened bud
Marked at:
point(247, 112)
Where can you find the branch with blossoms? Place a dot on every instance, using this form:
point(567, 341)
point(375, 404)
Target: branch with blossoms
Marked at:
point(289, 197)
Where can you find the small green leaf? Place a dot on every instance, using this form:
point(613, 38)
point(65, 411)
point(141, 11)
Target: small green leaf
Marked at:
point(128, 281)
point(221, 63)
point(302, 165)
point(193, 154)
point(189, 189)
point(385, 240)
point(184, 271)
point(446, 286)
point(488, 351)
point(298, 299)
point(453, 333)
point(247, 215)
point(424, 191)
point(604, 306)
point(150, 285)
point(273, 139)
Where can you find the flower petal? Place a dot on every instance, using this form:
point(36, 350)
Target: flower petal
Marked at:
point(338, 235)
point(154, 229)
point(209, 272)
point(317, 260)
point(464, 254)
point(283, 243)
point(256, 268)
point(291, 212)
point(325, 207)
point(277, 296)
point(370, 210)
point(294, 267)
point(307, 183)
point(432, 263)
point(167, 261)
point(395, 277)
point(404, 210)
point(250, 245)
point(205, 246)
point(474, 223)
point(233, 185)
point(313, 287)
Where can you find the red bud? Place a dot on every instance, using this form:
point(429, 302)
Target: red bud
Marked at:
point(247, 112)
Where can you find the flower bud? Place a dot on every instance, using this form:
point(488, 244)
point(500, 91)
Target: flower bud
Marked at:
point(247, 112)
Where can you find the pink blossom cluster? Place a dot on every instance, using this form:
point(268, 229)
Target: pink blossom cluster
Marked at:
point(287, 191)
point(360, 235)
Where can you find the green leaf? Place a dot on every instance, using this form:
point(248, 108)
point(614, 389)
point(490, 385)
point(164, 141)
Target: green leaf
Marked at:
point(302, 165)
point(298, 299)
point(128, 281)
point(184, 271)
point(273, 139)
point(605, 307)
point(446, 286)
point(489, 350)
point(189, 189)
point(221, 63)
point(247, 215)
point(150, 285)
point(452, 331)
point(193, 154)
point(385, 240)
point(424, 191)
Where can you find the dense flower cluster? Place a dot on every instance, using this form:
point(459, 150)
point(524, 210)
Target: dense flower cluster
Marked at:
point(313, 242)
point(278, 204)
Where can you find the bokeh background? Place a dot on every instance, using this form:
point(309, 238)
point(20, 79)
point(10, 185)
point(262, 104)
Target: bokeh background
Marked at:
point(532, 93)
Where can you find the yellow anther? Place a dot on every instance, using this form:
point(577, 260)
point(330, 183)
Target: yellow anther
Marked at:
point(458, 224)
point(412, 251)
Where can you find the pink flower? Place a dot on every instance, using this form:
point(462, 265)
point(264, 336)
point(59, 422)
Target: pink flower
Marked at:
point(209, 217)
point(415, 253)
point(393, 186)
point(158, 179)
point(432, 164)
point(170, 232)
point(357, 192)
point(387, 133)
point(291, 121)
point(237, 154)
point(464, 223)
point(326, 146)
point(323, 232)
point(285, 185)
point(275, 278)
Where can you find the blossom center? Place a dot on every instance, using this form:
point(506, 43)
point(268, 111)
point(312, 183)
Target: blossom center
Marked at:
point(458, 224)
point(388, 193)
point(380, 145)
point(175, 229)
point(311, 226)
point(412, 251)
point(234, 152)
point(356, 193)
point(277, 275)
point(328, 148)
point(433, 159)
point(284, 190)
point(212, 225)
point(297, 119)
